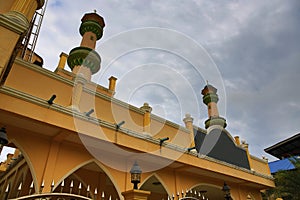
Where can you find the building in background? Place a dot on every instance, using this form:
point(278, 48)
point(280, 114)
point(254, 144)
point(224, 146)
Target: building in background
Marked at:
point(74, 140)
point(286, 169)
point(284, 151)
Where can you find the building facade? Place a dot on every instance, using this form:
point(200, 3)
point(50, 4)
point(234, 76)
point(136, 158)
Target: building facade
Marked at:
point(74, 140)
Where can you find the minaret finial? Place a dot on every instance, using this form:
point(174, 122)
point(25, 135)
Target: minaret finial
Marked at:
point(95, 11)
point(206, 82)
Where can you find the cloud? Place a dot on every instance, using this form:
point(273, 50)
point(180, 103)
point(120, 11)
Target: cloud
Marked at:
point(260, 68)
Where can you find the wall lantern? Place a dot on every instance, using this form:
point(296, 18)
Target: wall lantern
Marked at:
point(3, 137)
point(88, 114)
point(226, 190)
point(161, 141)
point(50, 101)
point(191, 148)
point(118, 125)
point(135, 175)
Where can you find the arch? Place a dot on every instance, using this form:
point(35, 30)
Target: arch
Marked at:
point(210, 191)
point(91, 167)
point(19, 173)
point(157, 187)
point(28, 162)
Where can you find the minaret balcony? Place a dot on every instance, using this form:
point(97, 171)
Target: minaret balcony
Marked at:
point(84, 56)
point(91, 26)
point(210, 97)
point(215, 121)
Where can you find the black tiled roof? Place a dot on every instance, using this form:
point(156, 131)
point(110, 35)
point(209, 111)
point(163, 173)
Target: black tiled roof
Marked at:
point(220, 145)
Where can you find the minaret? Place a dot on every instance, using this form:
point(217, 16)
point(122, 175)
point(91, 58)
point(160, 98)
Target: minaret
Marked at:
point(84, 60)
point(210, 98)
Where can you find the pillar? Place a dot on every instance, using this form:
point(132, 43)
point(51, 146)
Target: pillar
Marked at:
point(136, 195)
point(112, 84)
point(13, 25)
point(188, 121)
point(62, 60)
point(79, 83)
point(237, 140)
point(147, 117)
point(22, 11)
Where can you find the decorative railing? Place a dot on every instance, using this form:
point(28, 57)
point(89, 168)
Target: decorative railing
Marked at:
point(62, 192)
point(189, 195)
point(53, 196)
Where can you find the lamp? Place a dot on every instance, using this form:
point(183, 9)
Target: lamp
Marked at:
point(118, 126)
point(226, 190)
point(3, 137)
point(161, 141)
point(89, 112)
point(135, 175)
point(50, 101)
point(191, 148)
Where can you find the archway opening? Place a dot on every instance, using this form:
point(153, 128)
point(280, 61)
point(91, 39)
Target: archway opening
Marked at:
point(208, 192)
point(158, 191)
point(16, 179)
point(90, 181)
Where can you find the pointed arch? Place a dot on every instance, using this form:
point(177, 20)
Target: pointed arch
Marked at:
point(91, 166)
point(210, 191)
point(156, 186)
point(28, 162)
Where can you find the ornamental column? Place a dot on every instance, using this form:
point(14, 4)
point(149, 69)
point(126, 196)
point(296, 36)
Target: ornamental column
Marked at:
point(84, 60)
point(147, 117)
point(188, 121)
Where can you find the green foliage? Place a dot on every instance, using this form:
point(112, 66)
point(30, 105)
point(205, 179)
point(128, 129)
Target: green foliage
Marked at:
point(287, 183)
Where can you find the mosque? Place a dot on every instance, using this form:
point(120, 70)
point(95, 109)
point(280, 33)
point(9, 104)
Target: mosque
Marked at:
point(74, 140)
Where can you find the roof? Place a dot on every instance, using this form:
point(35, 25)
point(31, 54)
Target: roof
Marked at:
point(219, 144)
point(284, 164)
point(94, 17)
point(286, 148)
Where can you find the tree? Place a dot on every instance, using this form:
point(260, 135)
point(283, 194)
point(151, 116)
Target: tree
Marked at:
point(287, 183)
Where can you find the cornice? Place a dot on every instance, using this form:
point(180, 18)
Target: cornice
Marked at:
point(13, 24)
point(258, 159)
point(270, 177)
point(169, 123)
point(97, 94)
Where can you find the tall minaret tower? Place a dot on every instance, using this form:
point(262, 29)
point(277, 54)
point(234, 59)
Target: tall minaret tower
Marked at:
point(210, 98)
point(84, 60)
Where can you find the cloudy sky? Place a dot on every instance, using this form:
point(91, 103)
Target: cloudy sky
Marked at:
point(162, 52)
